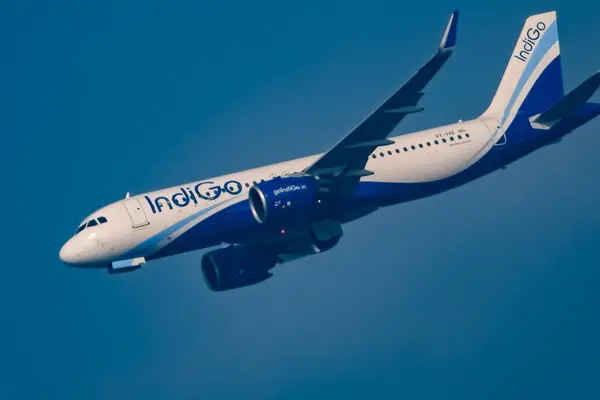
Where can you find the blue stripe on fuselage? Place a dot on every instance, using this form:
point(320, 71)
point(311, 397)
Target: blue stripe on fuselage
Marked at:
point(235, 223)
point(149, 246)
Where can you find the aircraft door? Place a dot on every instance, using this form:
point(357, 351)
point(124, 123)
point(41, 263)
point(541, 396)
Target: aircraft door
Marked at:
point(136, 212)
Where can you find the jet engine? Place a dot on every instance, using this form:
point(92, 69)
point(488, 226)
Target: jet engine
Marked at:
point(284, 200)
point(236, 266)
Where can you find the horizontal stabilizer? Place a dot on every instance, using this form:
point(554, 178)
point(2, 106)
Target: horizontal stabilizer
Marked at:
point(568, 105)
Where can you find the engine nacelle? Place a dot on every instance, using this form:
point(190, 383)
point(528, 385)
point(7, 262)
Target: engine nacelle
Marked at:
point(236, 266)
point(289, 199)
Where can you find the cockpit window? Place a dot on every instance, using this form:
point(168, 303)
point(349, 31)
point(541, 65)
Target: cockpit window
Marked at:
point(90, 223)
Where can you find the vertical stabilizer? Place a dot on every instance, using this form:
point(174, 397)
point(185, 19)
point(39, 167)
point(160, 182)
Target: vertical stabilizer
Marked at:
point(532, 81)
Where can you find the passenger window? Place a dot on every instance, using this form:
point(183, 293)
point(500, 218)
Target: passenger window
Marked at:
point(452, 138)
point(466, 134)
point(246, 184)
point(102, 220)
point(421, 145)
point(412, 147)
point(397, 151)
point(373, 156)
point(428, 143)
point(444, 140)
point(92, 223)
point(436, 142)
point(405, 149)
point(381, 154)
point(459, 137)
point(389, 153)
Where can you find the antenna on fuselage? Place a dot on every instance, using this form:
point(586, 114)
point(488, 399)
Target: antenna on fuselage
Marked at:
point(127, 195)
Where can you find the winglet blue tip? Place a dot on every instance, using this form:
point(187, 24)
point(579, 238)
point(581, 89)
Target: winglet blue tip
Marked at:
point(449, 39)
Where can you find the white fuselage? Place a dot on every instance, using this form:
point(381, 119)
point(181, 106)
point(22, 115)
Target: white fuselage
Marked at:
point(424, 156)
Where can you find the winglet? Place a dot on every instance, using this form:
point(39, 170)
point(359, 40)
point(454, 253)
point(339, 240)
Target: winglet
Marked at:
point(449, 39)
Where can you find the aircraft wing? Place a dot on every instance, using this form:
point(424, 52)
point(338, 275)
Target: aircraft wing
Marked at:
point(348, 158)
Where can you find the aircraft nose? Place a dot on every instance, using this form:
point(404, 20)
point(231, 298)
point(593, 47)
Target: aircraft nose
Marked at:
point(68, 254)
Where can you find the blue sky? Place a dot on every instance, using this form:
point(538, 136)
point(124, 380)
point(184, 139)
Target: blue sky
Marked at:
point(487, 291)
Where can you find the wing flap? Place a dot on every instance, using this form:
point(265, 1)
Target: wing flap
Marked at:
point(371, 143)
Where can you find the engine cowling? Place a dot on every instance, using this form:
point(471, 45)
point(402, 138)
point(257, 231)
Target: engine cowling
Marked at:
point(290, 199)
point(236, 266)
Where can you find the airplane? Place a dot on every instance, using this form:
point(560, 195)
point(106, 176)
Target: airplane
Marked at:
point(257, 219)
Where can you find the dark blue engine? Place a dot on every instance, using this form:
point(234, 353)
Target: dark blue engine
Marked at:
point(281, 200)
point(236, 266)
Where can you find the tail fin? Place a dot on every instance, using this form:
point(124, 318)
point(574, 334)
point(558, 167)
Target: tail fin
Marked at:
point(532, 81)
